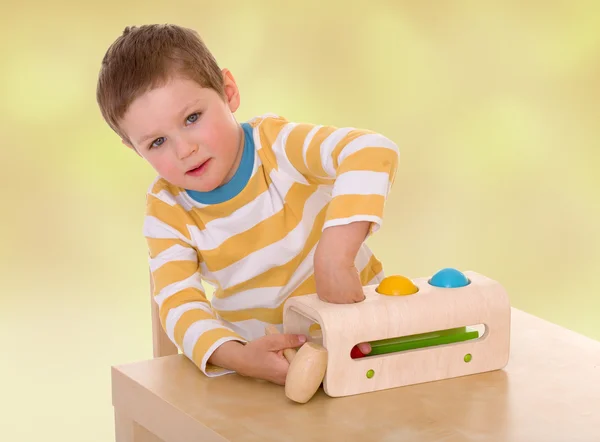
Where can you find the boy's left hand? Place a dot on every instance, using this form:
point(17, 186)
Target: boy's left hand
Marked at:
point(336, 277)
point(337, 281)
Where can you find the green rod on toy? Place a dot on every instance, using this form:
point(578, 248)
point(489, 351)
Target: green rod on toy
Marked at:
point(423, 340)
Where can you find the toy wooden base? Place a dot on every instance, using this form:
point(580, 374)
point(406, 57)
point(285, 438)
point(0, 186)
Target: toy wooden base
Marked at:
point(550, 391)
point(427, 322)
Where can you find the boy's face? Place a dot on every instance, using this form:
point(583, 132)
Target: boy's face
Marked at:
point(187, 133)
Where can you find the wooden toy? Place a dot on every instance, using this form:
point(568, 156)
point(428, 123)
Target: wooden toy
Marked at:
point(427, 329)
point(306, 370)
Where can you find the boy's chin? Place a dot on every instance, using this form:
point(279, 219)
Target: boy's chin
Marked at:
point(205, 185)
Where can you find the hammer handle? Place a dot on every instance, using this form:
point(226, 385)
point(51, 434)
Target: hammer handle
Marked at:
point(289, 353)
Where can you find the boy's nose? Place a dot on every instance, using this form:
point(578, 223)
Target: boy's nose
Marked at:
point(186, 148)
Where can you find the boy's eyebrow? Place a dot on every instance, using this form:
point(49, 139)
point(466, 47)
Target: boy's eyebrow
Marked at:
point(184, 110)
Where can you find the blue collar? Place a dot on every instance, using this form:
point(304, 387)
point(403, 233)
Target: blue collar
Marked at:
point(242, 175)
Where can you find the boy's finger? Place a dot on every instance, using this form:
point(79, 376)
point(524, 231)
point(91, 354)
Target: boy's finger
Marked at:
point(358, 296)
point(283, 341)
point(364, 347)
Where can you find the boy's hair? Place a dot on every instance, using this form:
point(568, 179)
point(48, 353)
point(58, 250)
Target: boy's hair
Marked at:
point(146, 57)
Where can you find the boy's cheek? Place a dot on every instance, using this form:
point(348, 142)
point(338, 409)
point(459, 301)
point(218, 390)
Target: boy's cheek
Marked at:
point(164, 167)
point(170, 173)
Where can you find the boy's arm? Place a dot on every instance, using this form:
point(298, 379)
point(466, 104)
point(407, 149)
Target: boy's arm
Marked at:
point(185, 312)
point(359, 164)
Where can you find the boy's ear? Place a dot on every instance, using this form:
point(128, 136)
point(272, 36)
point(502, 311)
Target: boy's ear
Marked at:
point(232, 93)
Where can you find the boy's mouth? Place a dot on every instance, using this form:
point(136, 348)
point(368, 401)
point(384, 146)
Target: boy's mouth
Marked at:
point(199, 169)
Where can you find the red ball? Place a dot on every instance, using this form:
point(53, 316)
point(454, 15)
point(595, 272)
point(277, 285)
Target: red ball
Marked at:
point(355, 353)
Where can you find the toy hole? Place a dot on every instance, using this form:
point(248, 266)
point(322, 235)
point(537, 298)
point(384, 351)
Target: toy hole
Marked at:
point(421, 341)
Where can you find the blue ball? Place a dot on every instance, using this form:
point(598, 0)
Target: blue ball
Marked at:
point(449, 278)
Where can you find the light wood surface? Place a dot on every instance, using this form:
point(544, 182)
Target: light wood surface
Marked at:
point(549, 391)
point(482, 302)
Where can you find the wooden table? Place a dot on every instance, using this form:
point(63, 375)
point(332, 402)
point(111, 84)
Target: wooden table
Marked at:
point(549, 391)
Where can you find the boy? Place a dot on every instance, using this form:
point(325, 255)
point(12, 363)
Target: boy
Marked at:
point(262, 210)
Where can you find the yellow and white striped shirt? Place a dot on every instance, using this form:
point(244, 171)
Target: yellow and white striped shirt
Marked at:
point(257, 247)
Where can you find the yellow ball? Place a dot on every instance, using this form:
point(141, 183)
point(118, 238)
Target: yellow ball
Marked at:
point(396, 286)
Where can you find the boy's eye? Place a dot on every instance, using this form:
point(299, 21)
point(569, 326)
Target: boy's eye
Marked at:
point(193, 118)
point(157, 142)
point(190, 119)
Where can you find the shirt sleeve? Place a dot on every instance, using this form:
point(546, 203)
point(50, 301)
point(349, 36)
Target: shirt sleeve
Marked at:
point(185, 312)
point(360, 165)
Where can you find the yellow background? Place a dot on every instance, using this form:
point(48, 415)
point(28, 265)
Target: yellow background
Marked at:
point(495, 108)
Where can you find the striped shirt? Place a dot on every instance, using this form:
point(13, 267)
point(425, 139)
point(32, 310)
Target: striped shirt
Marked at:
point(256, 248)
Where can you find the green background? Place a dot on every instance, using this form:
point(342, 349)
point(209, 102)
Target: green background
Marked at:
point(495, 109)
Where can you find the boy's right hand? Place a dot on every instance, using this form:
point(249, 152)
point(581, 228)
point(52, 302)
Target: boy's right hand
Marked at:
point(263, 358)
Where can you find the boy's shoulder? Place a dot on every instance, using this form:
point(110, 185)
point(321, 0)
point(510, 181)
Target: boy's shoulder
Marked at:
point(160, 186)
point(272, 131)
point(268, 119)
point(269, 126)
point(161, 192)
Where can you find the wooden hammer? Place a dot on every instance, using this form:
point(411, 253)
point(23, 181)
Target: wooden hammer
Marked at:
point(306, 371)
